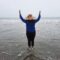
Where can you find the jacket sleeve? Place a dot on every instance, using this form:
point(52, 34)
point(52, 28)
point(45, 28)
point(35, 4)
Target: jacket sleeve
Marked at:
point(36, 20)
point(22, 18)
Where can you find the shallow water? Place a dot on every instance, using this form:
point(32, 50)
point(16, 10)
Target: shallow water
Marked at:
point(13, 40)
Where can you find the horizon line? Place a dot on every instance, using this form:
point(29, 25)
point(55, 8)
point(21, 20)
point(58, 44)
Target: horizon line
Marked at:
point(41, 17)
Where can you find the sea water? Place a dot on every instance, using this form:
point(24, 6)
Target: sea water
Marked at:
point(13, 39)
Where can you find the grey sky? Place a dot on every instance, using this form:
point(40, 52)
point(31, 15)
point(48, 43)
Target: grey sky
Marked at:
point(10, 8)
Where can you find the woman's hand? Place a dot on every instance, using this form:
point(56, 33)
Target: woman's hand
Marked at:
point(19, 12)
point(39, 12)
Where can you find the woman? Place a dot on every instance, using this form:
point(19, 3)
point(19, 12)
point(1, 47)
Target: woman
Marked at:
point(30, 28)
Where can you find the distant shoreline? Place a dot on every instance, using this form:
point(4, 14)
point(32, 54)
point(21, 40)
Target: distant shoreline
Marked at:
point(41, 18)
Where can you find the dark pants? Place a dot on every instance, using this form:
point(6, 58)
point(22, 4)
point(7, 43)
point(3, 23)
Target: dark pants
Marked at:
point(30, 37)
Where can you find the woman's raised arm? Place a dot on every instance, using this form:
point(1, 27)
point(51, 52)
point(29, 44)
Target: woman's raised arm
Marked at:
point(21, 17)
point(39, 16)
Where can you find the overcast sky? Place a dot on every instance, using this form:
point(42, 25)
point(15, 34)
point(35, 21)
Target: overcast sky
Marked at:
point(10, 8)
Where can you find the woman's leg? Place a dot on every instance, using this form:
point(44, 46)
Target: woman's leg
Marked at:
point(29, 39)
point(29, 43)
point(32, 39)
point(32, 43)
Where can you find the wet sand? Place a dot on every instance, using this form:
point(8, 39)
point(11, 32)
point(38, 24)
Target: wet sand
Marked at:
point(13, 40)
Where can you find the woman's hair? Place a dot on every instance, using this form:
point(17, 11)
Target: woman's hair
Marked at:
point(30, 15)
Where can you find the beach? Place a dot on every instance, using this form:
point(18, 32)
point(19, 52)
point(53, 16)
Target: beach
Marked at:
point(13, 39)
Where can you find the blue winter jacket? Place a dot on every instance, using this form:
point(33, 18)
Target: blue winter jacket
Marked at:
point(30, 24)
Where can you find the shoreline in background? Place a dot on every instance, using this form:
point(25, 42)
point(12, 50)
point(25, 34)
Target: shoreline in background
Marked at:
point(16, 18)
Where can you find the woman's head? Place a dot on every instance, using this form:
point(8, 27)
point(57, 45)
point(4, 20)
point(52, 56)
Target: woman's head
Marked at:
point(30, 17)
